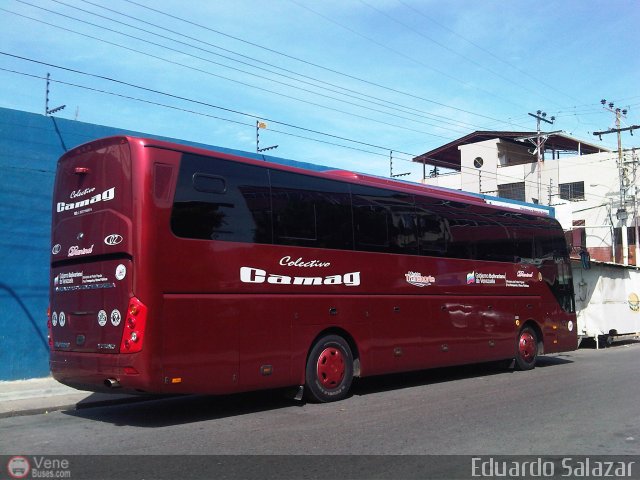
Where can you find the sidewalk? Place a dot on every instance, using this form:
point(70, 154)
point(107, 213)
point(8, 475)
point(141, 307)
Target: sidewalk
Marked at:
point(42, 395)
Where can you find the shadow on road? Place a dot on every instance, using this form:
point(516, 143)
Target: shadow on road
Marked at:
point(602, 343)
point(395, 381)
point(154, 412)
point(175, 410)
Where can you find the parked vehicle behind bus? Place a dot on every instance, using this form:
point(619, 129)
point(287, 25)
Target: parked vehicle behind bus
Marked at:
point(182, 270)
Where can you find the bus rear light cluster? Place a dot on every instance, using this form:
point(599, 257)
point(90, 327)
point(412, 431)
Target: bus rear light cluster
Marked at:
point(133, 333)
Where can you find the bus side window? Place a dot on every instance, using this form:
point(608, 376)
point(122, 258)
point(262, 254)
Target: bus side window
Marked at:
point(384, 221)
point(405, 229)
point(434, 234)
point(217, 199)
point(310, 211)
point(294, 217)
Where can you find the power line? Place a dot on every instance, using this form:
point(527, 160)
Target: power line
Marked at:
point(147, 89)
point(315, 65)
point(236, 38)
point(316, 82)
point(147, 54)
point(392, 107)
point(402, 107)
point(404, 55)
point(199, 102)
point(447, 48)
point(181, 109)
point(488, 52)
point(185, 110)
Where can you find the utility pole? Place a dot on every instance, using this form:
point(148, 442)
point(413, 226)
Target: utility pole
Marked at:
point(540, 116)
point(634, 159)
point(621, 214)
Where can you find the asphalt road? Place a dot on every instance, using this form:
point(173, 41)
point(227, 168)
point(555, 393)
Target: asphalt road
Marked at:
point(579, 403)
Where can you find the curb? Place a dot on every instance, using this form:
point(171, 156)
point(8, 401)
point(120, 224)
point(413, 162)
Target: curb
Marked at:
point(80, 405)
point(42, 395)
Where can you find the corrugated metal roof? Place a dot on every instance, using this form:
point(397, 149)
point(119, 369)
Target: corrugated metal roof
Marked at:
point(448, 156)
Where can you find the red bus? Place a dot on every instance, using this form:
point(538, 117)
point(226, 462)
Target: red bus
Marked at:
point(183, 270)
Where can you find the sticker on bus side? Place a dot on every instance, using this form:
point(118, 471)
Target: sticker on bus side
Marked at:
point(476, 277)
point(78, 280)
point(121, 272)
point(419, 280)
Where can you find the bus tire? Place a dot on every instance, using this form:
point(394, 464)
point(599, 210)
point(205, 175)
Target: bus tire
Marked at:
point(329, 371)
point(526, 349)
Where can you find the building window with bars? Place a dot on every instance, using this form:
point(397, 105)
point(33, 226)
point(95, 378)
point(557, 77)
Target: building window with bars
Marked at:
point(513, 191)
point(572, 191)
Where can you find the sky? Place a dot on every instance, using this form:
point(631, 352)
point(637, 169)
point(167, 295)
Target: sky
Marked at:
point(352, 84)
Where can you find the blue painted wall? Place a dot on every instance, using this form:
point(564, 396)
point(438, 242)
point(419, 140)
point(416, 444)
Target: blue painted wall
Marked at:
point(30, 146)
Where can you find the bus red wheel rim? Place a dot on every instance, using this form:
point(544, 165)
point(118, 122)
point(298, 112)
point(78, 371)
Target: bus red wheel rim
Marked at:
point(331, 367)
point(527, 346)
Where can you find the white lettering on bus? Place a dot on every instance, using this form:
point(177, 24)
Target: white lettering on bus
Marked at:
point(287, 262)
point(257, 275)
point(81, 193)
point(76, 250)
point(522, 273)
point(105, 196)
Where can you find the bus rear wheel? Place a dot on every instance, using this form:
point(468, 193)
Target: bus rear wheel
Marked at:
point(526, 349)
point(329, 370)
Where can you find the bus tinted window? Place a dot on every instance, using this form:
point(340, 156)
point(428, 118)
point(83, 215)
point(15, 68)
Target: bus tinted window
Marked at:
point(310, 211)
point(492, 236)
point(384, 221)
point(217, 199)
point(433, 228)
point(460, 224)
point(220, 200)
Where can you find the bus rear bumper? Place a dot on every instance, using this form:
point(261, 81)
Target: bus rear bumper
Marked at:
point(106, 373)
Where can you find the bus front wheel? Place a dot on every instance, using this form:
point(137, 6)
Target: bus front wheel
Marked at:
point(329, 370)
point(526, 349)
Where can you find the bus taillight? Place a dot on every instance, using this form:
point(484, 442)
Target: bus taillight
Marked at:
point(133, 334)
